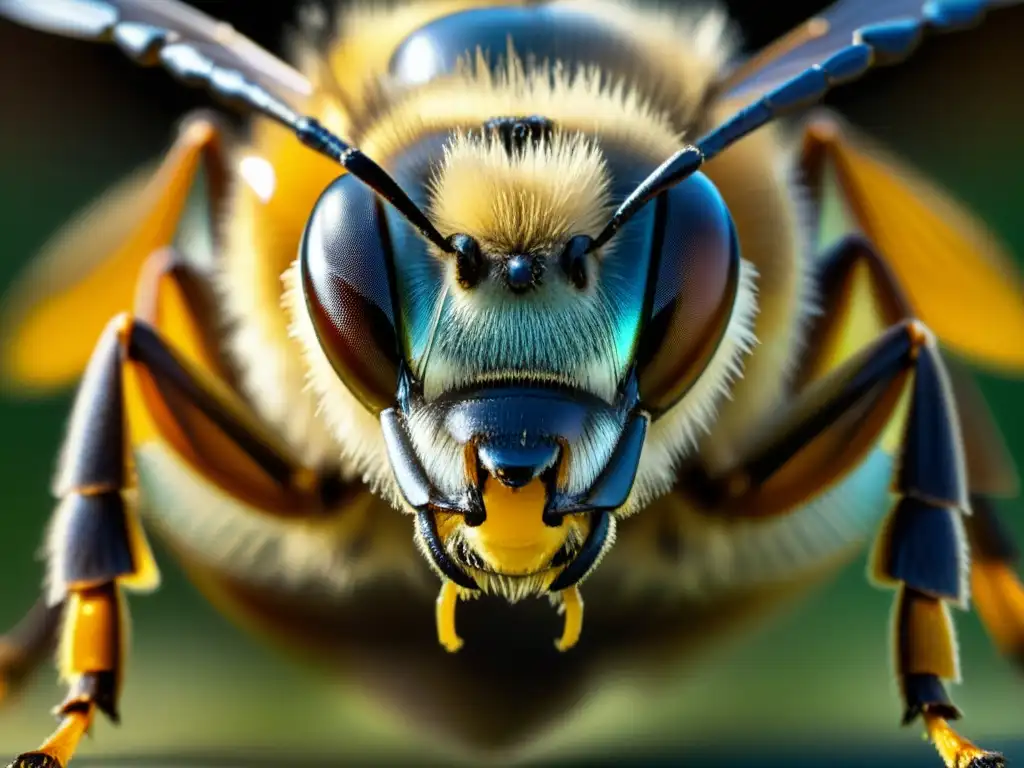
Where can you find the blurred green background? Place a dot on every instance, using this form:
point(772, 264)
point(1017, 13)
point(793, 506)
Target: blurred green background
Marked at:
point(811, 685)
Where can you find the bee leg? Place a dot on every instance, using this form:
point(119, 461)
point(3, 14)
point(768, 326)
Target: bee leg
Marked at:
point(861, 292)
point(27, 644)
point(995, 587)
point(94, 548)
point(91, 658)
point(180, 391)
point(926, 654)
point(922, 549)
point(925, 643)
point(1000, 600)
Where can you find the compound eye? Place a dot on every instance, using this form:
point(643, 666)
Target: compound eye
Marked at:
point(346, 265)
point(697, 258)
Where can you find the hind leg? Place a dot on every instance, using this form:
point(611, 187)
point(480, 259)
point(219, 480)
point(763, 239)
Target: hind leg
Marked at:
point(25, 647)
point(996, 587)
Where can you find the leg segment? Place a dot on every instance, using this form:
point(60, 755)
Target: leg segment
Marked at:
point(91, 550)
point(955, 278)
point(24, 647)
point(865, 306)
point(995, 587)
point(925, 655)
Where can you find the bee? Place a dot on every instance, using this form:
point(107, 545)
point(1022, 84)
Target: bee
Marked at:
point(553, 313)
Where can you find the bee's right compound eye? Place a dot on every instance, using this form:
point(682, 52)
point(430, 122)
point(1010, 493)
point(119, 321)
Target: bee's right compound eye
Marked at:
point(347, 280)
point(698, 262)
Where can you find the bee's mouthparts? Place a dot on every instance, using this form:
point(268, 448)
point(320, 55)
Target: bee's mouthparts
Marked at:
point(516, 514)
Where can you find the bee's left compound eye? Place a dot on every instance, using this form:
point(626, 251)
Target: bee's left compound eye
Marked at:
point(347, 280)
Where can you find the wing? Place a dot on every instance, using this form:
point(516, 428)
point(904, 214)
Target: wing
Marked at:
point(87, 272)
point(836, 28)
point(958, 277)
point(147, 29)
point(54, 312)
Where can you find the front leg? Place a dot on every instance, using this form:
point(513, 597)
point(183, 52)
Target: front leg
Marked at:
point(91, 552)
point(96, 547)
point(839, 415)
point(92, 659)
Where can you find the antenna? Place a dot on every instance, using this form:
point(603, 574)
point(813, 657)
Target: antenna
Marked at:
point(190, 66)
point(881, 44)
point(204, 53)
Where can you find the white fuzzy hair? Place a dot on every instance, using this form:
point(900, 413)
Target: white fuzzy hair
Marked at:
point(675, 435)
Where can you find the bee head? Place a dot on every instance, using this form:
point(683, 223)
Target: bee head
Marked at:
point(515, 376)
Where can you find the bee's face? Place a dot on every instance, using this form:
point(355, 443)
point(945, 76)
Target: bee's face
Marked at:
point(515, 382)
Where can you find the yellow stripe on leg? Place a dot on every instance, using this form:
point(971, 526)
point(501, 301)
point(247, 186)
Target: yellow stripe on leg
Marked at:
point(928, 639)
point(61, 746)
point(92, 636)
point(955, 750)
point(999, 600)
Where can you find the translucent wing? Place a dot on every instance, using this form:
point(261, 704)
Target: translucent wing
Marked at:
point(959, 278)
point(53, 314)
point(818, 38)
point(144, 28)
